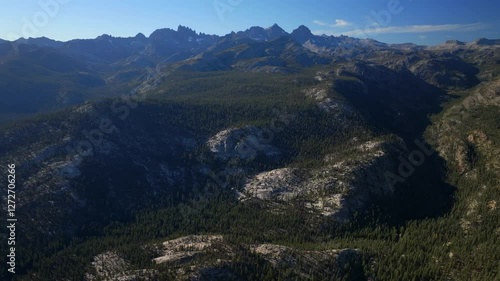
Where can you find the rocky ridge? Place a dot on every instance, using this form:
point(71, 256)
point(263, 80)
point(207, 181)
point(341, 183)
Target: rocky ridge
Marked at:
point(191, 258)
point(338, 189)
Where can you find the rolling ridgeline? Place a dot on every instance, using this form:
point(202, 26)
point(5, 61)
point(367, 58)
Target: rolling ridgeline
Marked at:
point(258, 155)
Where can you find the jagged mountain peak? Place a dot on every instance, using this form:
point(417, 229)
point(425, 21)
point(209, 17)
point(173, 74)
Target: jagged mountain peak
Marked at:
point(454, 42)
point(104, 36)
point(303, 28)
point(302, 34)
point(186, 31)
point(161, 32)
point(255, 28)
point(255, 32)
point(262, 34)
point(39, 41)
point(275, 28)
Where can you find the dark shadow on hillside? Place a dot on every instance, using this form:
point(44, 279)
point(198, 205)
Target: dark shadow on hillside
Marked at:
point(401, 103)
point(425, 194)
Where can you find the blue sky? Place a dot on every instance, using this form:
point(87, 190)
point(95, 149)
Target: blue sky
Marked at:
point(419, 21)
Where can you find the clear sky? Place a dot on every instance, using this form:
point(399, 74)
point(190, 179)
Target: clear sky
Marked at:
point(392, 21)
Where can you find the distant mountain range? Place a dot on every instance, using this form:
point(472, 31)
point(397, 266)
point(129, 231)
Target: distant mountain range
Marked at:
point(168, 45)
point(258, 155)
point(66, 73)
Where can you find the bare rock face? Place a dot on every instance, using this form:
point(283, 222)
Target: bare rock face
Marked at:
point(338, 189)
point(462, 157)
point(189, 254)
point(209, 257)
point(327, 103)
point(286, 256)
point(185, 248)
point(110, 266)
point(280, 184)
point(242, 143)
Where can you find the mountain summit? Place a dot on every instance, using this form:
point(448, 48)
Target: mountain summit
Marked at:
point(275, 31)
point(263, 34)
point(302, 34)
